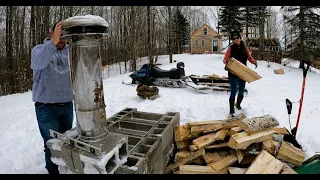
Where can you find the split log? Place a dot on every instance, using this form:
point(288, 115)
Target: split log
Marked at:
point(288, 153)
point(258, 123)
point(224, 163)
point(243, 140)
point(185, 160)
point(211, 157)
point(199, 123)
point(208, 139)
point(234, 130)
point(183, 143)
point(181, 132)
point(204, 140)
point(193, 147)
point(242, 71)
point(181, 154)
point(270, 146)
point(239, 155)
point(195, 169)
point(235, 121)
point(217, 146)
point(236, 170)
point(279, 130)
point(265, 164)
point(278, 71)
point(193, 136)
point(213, 128)
point(287, 170)
point(214, 76)
point(200, 129)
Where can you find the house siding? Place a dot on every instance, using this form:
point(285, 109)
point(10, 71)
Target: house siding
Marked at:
point(198, 35)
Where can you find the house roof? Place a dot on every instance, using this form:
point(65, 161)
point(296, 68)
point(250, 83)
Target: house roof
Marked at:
point(202, 27)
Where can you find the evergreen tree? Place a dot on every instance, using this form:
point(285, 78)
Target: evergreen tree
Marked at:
point(230, 19)
point(181, 31)
point(250, 17)
point(305, 24)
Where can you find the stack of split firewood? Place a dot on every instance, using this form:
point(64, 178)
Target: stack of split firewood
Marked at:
point(241, 146)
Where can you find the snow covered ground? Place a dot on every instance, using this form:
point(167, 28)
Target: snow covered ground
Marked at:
point(22, 146)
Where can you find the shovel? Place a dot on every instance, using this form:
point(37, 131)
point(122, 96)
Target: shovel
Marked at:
point(305, 70)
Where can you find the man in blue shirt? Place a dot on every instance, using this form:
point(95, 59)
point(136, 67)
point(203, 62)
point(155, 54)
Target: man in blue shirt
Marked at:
point(52, 91)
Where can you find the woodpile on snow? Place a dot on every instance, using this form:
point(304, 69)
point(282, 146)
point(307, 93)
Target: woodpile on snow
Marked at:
point(241, 146)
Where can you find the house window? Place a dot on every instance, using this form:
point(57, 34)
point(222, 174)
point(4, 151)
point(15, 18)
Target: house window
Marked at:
point(205, 31)
point(202, 42)
point(196, 43)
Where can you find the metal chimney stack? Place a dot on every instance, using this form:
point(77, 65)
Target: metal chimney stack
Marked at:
point(89, 148)
point(86, 76)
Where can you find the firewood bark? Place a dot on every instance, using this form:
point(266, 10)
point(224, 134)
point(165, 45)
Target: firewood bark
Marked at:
point(258, 123)
point(181, 132)
point(217, 146)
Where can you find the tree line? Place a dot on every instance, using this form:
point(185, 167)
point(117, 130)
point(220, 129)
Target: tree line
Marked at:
point(134, 31)
point(301, 27)
point(148, 31)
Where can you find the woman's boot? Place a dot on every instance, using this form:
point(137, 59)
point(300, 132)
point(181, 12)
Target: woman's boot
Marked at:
point(239, 100)
point(231, 105)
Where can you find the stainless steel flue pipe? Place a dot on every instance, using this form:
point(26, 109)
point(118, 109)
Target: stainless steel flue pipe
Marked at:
point(84, 33)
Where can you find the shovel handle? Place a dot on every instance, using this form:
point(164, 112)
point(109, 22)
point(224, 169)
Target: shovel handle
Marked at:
point(305, 69)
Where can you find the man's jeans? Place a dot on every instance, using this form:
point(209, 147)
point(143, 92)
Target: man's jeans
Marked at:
point(234, 82)
point(58, 117)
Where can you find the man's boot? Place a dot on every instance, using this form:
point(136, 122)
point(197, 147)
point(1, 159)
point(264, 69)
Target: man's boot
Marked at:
point(239, 100)
point(231, 105)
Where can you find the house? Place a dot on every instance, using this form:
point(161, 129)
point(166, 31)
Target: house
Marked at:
point(205, 39)
point(272, 49)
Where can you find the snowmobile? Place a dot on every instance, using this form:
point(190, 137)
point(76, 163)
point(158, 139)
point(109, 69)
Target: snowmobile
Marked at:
point(153, 75)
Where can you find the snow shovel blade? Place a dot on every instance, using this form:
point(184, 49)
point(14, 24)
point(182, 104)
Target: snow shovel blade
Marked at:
point(289, 106)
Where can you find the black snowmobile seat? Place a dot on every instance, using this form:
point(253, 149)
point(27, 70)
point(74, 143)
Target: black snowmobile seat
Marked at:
point(160, 73)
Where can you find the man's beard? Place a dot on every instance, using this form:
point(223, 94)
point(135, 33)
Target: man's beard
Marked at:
point(61, 45)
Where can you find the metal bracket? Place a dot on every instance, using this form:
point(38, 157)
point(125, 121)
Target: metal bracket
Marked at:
point(76, 143)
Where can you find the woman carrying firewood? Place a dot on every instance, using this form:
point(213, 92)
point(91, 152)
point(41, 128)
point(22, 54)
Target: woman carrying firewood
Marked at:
point(239, 51)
